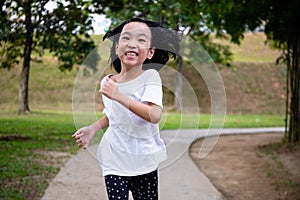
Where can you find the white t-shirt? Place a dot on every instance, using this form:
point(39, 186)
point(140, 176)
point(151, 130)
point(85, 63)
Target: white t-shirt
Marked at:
point(131, 145)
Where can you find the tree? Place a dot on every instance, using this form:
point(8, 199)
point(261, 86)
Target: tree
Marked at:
point(34, 26)
point(182, 15)
point(280, 20)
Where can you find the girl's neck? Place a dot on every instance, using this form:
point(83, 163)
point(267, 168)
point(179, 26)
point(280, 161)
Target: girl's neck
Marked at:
point(129, 74)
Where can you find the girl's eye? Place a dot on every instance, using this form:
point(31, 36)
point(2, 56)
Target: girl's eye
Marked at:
point(142, 40)
point(125, 38)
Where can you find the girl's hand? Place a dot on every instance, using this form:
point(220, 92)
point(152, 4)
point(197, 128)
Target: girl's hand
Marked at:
point(83, 136)
point(110, 89)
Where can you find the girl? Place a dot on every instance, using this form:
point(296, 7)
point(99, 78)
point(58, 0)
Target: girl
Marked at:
point(131, 148)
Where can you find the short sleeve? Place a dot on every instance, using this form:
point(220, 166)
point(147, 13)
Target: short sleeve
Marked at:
point(153, 88)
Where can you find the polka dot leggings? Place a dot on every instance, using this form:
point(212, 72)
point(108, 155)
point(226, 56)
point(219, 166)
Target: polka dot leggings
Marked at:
point(142, 187)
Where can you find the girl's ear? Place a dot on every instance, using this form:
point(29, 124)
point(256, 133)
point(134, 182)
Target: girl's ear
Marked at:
point(151, 53)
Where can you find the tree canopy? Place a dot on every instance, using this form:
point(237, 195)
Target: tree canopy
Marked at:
point(182, 15)
point(280, 21)
point(60, 27)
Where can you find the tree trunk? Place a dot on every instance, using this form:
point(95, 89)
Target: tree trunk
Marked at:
point(294, 122)
point(287, 102)
point(23, 91)
point(178, 91)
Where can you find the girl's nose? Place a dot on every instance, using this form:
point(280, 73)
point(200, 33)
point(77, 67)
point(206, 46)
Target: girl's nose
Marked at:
point(132, 44)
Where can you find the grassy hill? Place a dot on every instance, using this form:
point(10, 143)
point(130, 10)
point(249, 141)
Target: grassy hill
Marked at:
point(253, 85)
point(253, 48)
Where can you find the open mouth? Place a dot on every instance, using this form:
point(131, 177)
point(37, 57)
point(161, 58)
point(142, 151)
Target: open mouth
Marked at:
point(131, 53)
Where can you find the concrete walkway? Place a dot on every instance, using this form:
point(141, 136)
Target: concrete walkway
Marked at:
point(180, 178)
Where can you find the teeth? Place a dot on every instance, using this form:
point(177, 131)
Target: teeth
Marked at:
point(131, 54)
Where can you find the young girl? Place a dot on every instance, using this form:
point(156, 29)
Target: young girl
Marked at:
point(131, 148)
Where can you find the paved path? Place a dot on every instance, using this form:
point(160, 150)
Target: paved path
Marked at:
point(180, 178)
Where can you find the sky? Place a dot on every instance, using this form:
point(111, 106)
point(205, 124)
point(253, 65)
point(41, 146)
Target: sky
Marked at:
point(99, 23)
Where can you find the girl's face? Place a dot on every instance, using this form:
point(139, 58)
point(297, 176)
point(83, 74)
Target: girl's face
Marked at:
point(134, 43)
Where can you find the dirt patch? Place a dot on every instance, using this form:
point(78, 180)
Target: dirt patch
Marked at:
point(51, 158)
point(252, 167)
point(13, 137)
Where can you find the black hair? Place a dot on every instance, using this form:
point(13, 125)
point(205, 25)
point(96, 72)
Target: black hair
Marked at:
point(165, 41)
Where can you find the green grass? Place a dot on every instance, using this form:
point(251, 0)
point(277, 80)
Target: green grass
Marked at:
point(49, 88)
point(253, 48)
point(25, 168)
point(25, 172)
point(175, 121)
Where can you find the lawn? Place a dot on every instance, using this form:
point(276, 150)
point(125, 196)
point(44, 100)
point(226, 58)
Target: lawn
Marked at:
point(25, 144)
point(27, 141)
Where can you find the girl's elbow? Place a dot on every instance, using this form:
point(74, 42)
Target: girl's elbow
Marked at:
point(155, 120)
point(155, 115)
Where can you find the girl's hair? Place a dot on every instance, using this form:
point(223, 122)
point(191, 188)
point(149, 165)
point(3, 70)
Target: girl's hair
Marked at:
point(165, 41)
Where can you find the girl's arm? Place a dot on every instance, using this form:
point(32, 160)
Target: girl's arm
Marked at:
point(149, 112)
point(99, 124)
point(85, 134)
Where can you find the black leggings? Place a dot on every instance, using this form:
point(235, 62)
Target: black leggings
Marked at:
point(142, 187)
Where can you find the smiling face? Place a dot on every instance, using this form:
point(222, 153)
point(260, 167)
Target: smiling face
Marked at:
point(134, 43)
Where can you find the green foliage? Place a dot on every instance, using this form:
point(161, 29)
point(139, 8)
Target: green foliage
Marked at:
point(185, 16)
point(29, 26)
point(280, 21)
point(62, 30)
